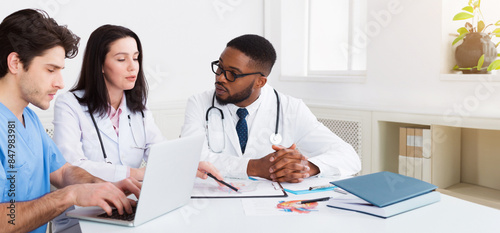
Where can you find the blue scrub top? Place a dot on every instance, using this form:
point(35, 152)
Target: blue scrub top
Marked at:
point(35, 155)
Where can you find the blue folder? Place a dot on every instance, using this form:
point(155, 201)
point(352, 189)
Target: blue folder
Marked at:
point(384, 188)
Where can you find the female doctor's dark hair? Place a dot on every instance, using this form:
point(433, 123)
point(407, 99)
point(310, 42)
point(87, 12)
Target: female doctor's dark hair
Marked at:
point(91, 78)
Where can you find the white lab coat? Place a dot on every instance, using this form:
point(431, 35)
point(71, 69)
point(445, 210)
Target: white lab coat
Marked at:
point(298, 125)
point(76, 137)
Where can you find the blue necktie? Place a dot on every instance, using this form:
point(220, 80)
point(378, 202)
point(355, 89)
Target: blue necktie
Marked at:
point(242, 128)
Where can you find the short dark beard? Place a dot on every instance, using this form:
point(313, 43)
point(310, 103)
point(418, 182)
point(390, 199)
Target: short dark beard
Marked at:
point(238, 97)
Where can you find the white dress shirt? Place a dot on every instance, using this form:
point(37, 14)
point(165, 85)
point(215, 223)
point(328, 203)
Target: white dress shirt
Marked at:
point(76, 137)
point(298, 125)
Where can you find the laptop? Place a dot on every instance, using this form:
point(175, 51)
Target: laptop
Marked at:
point(171, 164)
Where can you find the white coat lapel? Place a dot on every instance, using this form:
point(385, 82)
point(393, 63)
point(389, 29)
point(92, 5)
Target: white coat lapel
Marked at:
point(106, 127)
point(263, 124)
point(230, 131)
point(103, 122)
point(133, 135)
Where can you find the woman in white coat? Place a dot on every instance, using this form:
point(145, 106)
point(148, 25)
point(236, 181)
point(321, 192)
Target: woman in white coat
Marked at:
point(102, 124)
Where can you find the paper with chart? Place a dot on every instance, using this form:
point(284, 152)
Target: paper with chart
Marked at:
point(209, 188)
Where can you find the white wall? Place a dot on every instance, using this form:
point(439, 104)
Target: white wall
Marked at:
point(179, 38)
point(406, 57)
point(404, 66)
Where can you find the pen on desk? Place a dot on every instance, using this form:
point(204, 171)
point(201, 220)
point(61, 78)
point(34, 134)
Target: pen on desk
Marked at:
point(222, 182)
point(321, 186)
point(314, 200)
point(339, 190)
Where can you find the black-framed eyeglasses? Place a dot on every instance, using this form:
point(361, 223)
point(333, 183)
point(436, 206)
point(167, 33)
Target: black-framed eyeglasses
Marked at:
point(229, 75)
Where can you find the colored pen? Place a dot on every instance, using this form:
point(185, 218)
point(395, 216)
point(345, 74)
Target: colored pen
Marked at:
point(314, 200)
point(321, 186)
point(222, 182)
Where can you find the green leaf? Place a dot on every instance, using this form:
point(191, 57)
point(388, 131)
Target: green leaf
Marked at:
point(462, 30)
point(458, 38)
point(462, 16)
point(469, 9)
point(480, 26)
point(495, 65)
point(497, 46)
point(480, 62)
point(497, 23)
point(455, 67)
point(496, 32)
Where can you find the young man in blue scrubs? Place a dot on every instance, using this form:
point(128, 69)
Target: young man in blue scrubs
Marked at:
point(33, 48)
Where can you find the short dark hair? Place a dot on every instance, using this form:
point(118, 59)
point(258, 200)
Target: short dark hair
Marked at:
point(258, 48)
point(30, 33)
point(91, 79)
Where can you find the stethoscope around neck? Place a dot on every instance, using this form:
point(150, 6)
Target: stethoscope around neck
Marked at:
point(130, 125)
point(217, 133)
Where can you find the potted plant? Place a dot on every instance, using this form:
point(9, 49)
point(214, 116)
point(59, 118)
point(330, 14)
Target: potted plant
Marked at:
point(477, 53)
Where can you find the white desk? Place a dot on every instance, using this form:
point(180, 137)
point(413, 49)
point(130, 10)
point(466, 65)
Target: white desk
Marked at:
point(227, 215)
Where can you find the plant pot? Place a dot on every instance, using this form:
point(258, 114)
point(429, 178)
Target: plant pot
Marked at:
point(473, 47)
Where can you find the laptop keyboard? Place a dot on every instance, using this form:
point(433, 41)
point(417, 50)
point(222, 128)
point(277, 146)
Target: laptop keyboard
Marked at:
point(116, 215)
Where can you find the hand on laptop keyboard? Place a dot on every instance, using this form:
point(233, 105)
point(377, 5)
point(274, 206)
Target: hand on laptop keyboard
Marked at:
point(116, 215)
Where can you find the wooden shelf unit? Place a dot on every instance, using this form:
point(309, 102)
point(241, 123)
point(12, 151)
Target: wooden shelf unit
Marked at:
point(465, 156)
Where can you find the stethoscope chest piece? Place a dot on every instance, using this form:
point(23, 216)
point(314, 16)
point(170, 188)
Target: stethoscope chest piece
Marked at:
point(275, 138)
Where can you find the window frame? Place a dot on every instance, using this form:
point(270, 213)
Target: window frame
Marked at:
point(273, 30)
